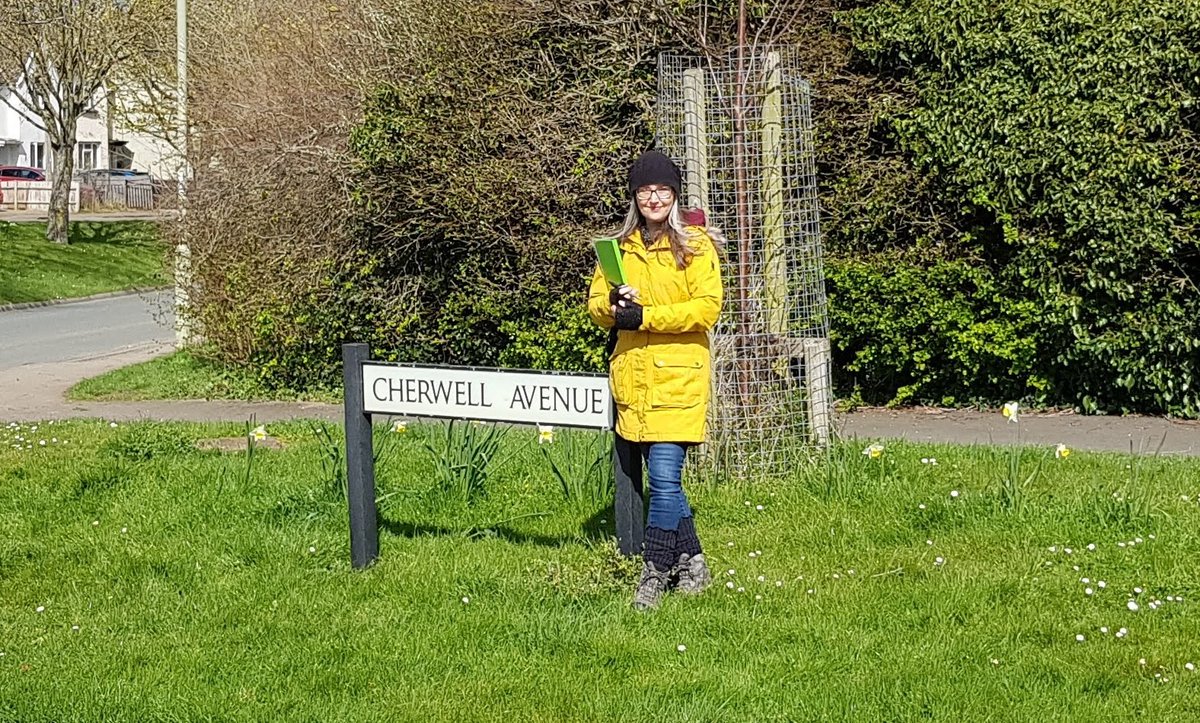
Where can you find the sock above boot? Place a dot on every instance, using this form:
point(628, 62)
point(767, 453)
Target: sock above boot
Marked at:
point(688, 542)
point(660, 547)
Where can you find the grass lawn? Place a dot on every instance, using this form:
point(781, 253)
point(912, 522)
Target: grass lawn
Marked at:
point(101, 257)
point(143, 580)
point(184, 375)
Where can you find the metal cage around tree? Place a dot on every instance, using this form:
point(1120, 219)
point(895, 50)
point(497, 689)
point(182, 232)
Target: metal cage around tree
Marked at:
point(742, 131)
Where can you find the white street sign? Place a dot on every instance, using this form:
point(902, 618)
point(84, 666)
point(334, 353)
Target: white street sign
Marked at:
point(573, 400)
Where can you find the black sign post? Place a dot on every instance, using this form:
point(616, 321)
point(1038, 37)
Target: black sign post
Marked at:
point(360, 460)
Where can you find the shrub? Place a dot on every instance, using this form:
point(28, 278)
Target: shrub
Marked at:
point(1022, 174)
point(937, 332)
point(563, 338)
point(1063, 137)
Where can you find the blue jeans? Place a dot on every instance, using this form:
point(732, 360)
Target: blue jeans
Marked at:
point(664, 465)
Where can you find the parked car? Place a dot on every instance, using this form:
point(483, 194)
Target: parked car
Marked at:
point(21, 173)
point(97, 176)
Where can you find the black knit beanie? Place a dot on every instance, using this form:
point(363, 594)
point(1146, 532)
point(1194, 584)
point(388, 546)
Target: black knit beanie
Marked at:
point(652, 167)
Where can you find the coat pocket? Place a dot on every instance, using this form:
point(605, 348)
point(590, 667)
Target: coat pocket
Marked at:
point(678, 382)
point(620, 379)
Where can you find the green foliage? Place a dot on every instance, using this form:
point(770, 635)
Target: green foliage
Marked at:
point(1015, 484)
point(562, 338)
point(1021, 174)
point(332, 456)
point(582, 463)
point(939, 332)
point(463, 458)
point(486, 213)
point(1061, 138)
point(145, 441)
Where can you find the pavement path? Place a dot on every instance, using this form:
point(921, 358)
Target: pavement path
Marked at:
point(26, 216)
point(1139, 434)
point(45, 351)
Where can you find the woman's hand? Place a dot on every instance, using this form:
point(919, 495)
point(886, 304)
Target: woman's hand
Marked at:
point(622, 296)
point(628, 318)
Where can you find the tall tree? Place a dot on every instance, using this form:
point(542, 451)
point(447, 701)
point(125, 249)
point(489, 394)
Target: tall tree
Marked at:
point(56, 57)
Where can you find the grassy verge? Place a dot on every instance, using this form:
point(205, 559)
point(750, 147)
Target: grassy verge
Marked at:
point(101, 257)
point(184, 375)
point(143, 580)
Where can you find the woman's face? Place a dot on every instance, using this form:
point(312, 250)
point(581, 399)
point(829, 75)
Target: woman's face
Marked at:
point(655, 202)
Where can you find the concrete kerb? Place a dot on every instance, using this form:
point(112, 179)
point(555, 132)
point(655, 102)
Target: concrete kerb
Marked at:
point(81, 299)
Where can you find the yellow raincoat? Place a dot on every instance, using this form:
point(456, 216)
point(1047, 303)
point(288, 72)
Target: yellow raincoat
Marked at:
point(659, 374)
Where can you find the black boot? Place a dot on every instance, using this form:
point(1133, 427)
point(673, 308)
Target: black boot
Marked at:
point(658, 556)
point(690, 571)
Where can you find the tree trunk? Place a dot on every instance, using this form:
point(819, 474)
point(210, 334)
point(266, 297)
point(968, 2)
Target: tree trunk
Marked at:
point(61, 169)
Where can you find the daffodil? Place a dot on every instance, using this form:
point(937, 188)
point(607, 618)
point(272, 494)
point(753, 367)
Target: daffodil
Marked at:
point(545, 434)
point(874, 451)
point(259, 433)
point(1010, 411)
point(1062, 451)
point(399, 426)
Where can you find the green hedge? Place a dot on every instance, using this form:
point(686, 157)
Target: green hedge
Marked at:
point(1060, 139)
point(485, 171)
point(909, 331)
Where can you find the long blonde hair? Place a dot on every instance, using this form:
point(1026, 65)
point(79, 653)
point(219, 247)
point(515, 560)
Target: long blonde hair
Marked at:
point(676, 232)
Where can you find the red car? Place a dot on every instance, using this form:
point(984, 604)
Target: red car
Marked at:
point(21, 173)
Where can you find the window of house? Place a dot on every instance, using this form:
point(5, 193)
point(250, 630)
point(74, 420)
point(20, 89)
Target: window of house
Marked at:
point(89, 154)
point(37, 155)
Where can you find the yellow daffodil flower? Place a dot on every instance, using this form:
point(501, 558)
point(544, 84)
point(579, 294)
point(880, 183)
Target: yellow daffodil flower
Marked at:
point(1010, 411)
point(874, 451)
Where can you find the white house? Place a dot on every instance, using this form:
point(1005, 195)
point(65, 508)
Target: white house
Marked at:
point(98, 144)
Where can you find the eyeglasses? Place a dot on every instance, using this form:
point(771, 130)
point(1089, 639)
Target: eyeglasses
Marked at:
point(664, 194)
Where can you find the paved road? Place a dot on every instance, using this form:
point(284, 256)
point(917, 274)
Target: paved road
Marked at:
point(86, 330)
point(46, 350)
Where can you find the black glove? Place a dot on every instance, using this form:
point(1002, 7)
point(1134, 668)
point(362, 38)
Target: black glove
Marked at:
point(629, 318)
point(615, 297)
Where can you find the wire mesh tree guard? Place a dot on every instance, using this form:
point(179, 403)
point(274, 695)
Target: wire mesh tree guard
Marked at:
point(742, 127)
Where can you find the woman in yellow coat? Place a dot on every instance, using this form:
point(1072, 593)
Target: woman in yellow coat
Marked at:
point(659, 369)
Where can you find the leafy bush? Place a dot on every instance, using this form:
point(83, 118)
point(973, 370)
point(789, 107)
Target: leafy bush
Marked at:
point(562, 338)
point(1021, 174)
point(939, 332)
point(1063, 138)
point(485, 200)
